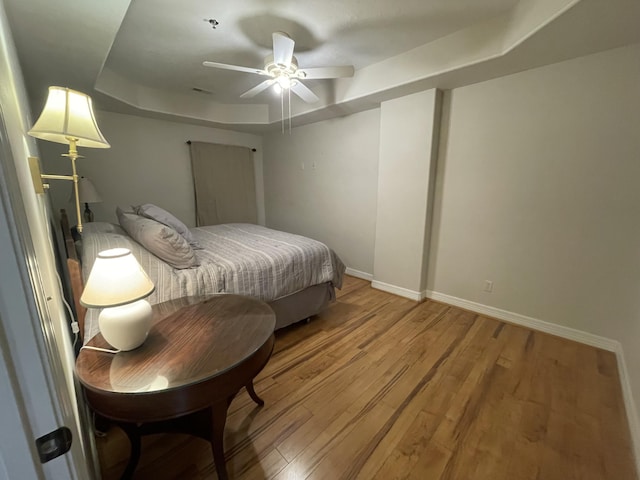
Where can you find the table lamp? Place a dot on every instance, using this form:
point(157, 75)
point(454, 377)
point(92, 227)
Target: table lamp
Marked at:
point(67, 118)
point(118, 284)
point(87, 193)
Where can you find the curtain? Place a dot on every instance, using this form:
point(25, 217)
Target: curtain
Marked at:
point(224, 184)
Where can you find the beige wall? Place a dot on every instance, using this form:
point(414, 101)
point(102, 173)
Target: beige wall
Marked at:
point(148, 162)
point(320, 181)
point(409, 129)
point(538, 191)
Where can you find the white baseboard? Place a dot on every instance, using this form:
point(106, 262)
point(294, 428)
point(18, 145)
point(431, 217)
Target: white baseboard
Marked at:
point(568, 333)
point(629, 404)
point(533, 323)
point(403, 292)
point(359, 274)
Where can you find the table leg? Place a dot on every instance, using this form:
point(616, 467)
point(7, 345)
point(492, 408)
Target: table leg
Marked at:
point(134, 439)
point(252, 393)
point(218, 420)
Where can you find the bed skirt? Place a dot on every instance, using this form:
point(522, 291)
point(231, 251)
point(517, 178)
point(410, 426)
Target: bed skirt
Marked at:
point(303, 304)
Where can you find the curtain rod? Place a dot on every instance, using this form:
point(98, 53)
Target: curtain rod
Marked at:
point(253, 149)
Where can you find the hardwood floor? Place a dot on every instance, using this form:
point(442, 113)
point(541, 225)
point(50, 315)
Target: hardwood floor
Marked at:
point(380, 387)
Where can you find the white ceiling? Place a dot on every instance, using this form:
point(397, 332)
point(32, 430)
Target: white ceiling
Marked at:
point(162, 43)
point(145, 56)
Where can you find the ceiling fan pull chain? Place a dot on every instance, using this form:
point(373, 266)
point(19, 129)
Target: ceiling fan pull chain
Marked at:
point(282, 109)
point(289, 92)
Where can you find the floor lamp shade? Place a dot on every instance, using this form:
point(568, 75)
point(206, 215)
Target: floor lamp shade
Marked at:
point(118, 284)
point(68, 114)
point(87, 191)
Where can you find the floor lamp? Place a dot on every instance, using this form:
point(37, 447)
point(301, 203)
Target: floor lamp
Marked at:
point(67, 118)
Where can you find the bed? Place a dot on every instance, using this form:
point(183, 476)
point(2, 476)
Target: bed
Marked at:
point(295, 275)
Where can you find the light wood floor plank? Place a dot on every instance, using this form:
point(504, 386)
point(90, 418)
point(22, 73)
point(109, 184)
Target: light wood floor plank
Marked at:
point(380, 387)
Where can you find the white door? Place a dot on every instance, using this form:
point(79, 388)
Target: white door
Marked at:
point(30, 403)
point(37, 393)
point(36, 397)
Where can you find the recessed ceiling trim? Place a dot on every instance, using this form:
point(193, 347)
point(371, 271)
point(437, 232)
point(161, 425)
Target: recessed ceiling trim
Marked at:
point(474, 45)
point(160, 101)
point(475, 53)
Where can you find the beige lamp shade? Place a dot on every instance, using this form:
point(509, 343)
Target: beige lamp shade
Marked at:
point(68, 114)
point(116, 279)
point(87, 192)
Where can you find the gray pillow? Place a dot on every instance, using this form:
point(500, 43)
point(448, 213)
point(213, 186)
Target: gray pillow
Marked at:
point(158, 214)
point(163, 241)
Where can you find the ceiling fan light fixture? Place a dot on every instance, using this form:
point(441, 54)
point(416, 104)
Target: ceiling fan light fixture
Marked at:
point(283, 81)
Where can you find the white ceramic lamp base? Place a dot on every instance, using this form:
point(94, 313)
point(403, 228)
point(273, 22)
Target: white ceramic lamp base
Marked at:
point(126, 327)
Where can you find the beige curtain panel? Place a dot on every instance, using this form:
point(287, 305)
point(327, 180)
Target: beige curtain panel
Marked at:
point(224, 184)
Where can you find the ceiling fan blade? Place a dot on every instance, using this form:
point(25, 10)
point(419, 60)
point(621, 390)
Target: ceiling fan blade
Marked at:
point(258, 88)
point(326, 72)
point(303, 92)
point(235, 67)
point(282, 48)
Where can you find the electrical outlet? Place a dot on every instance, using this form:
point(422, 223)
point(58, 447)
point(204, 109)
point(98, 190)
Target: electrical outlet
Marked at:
point(488, 286)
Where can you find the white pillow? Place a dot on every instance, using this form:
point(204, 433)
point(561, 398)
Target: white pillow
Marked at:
point(158, 214)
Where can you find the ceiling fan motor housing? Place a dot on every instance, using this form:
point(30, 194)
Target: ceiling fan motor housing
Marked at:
point(279, 69)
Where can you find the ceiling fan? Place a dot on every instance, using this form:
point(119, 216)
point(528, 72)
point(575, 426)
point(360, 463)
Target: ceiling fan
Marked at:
point(282, 69)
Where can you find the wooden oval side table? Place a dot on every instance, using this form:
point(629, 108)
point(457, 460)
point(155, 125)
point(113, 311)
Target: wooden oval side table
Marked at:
point(199, 353)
